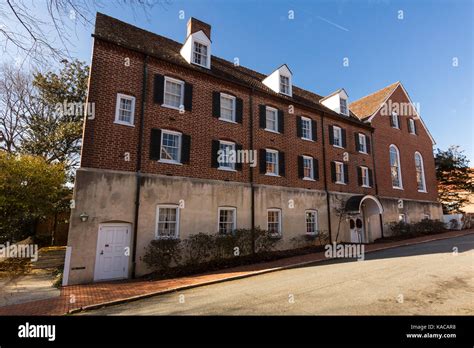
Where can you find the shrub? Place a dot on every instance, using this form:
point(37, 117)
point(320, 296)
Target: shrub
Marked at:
point(162, 253)
point(427, 226)
point(400, 228)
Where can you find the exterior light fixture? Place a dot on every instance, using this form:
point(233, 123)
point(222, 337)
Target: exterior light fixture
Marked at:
point(84, 217)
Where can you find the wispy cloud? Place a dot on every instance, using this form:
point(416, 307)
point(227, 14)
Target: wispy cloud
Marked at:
point(332, 23)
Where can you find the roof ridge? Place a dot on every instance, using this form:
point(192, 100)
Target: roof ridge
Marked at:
point(377, 91)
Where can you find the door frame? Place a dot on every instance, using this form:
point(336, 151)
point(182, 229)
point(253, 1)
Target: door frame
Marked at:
point(96, 266)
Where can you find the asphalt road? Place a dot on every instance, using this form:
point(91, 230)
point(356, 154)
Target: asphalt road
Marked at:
point(424, 279)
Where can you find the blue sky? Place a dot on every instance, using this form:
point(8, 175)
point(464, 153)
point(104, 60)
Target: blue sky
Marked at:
point(418, 50)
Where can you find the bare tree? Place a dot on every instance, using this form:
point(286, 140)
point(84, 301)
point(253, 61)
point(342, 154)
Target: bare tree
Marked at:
point(35, 36)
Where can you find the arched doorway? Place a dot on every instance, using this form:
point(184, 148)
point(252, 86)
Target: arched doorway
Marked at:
point(365, 222)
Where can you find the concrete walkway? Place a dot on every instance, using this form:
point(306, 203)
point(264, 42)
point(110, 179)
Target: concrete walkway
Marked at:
point(77, 297)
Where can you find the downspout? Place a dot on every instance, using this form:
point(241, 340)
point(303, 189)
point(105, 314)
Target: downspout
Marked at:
point(138, 173)
point(326, 180)
point(375, 177)
point(252, 186)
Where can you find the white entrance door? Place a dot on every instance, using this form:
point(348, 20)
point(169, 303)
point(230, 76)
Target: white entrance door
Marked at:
point(113, 252)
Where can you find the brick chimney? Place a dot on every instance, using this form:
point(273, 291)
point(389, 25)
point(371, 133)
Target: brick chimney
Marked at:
point(195, 25)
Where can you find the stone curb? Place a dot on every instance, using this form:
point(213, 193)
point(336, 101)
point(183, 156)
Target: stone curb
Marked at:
point(250, 274)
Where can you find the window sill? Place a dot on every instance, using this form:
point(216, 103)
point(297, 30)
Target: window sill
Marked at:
point(397, 188)
point(272, 131)
point(166, 238)
point(308, 139)
point(363, 152)
point(275, 235)
point(173, 107)
point(309, 179)
point(201, 65)
point(124, 124)
point(340, 183)
point(170, 162)
point(366, 186)
point(274, 175)
point(338, 146)
point(226, 169)
point(422, 191)
point(226, 120)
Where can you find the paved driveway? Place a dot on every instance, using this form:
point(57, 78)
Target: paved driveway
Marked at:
point(428, 278)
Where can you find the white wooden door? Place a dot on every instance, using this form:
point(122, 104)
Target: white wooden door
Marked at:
point(113, 252)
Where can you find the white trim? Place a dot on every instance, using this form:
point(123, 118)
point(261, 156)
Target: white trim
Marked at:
point(234, 104)
point(117, 110)
point(225, 142)
point(277, 165)
point(399, 187)
point(347, 106)
point(269, 108)
point(367, 176)
point(365, 143)
point(422, 172)
point(67, 266)
point(312, 168)
point(279, 219)
point(411, 126)
point(208, 56)
point(167, 206)
point(394, 116)
point(164, 160)
point(317, 221)
point(334, 137)
point(234, 222)
point(342, 173)
point(310, 128)
point(181, 102)
point(375, 199)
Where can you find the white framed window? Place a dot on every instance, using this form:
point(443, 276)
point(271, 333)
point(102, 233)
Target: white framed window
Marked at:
point(227, 155)
point(362, 143)
point(311, 222)
point(167, 221)
point(395, 170)
point(343, 106)
point(170, 146)
point(227, 107)
point(402, 218)
point(339, 173)
point(272, 162)
point(274, 221)
point(308, 169)
point(394, 117)
point(411, 126)
point(364, 172)
point(306, 128)
point(337, 136)
point(125, 109)
point(285, 87)
point(271, 119)
point(200, 54)
point(420, 173)
point(227, 223)
point(173, 93)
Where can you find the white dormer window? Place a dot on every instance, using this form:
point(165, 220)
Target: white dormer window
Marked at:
point(200, 55)
point(343, 106)
point(279, 81)
point(284, 85)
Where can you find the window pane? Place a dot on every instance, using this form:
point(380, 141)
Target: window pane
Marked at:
point(311, 222)
point(227, 108)
point(170, 146)
point(226, 155)
point(273, 222)
point(306, 129)
point(271, 120)
point(272, 163)
point(167, 222)
point(226, 221)
point(173, 94)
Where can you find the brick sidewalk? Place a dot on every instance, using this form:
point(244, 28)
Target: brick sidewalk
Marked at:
point(77, 297)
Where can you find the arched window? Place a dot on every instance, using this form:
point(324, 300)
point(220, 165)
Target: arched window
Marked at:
point(395, 169)
point(420, 172)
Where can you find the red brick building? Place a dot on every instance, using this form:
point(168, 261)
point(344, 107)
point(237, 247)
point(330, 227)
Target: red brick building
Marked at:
point(184, 142)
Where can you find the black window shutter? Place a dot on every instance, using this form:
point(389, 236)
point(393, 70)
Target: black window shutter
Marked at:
point(343, 132)
point(262, 116)
point(263, 161)
point(359, 175)
point(188, 97)
point(216, 104)
point(367, 142)
point(300, 167)
point(299, 130)
point(281, 121)
point(346, 173)
point(214, 150)
point(371, 178)
point(333, 171)
point(238, 164)
point(158, 89)
point(314, 129)
point(239, 110)
point(357, 144)
point(391, 121)
point(316, 169)
point(399, 123)
point(281, 163)
point(155, 144)
point(414, 127)
point(185, 148)
point(331, 135)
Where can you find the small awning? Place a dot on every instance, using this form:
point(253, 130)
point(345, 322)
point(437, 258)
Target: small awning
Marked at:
point(353, 204)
